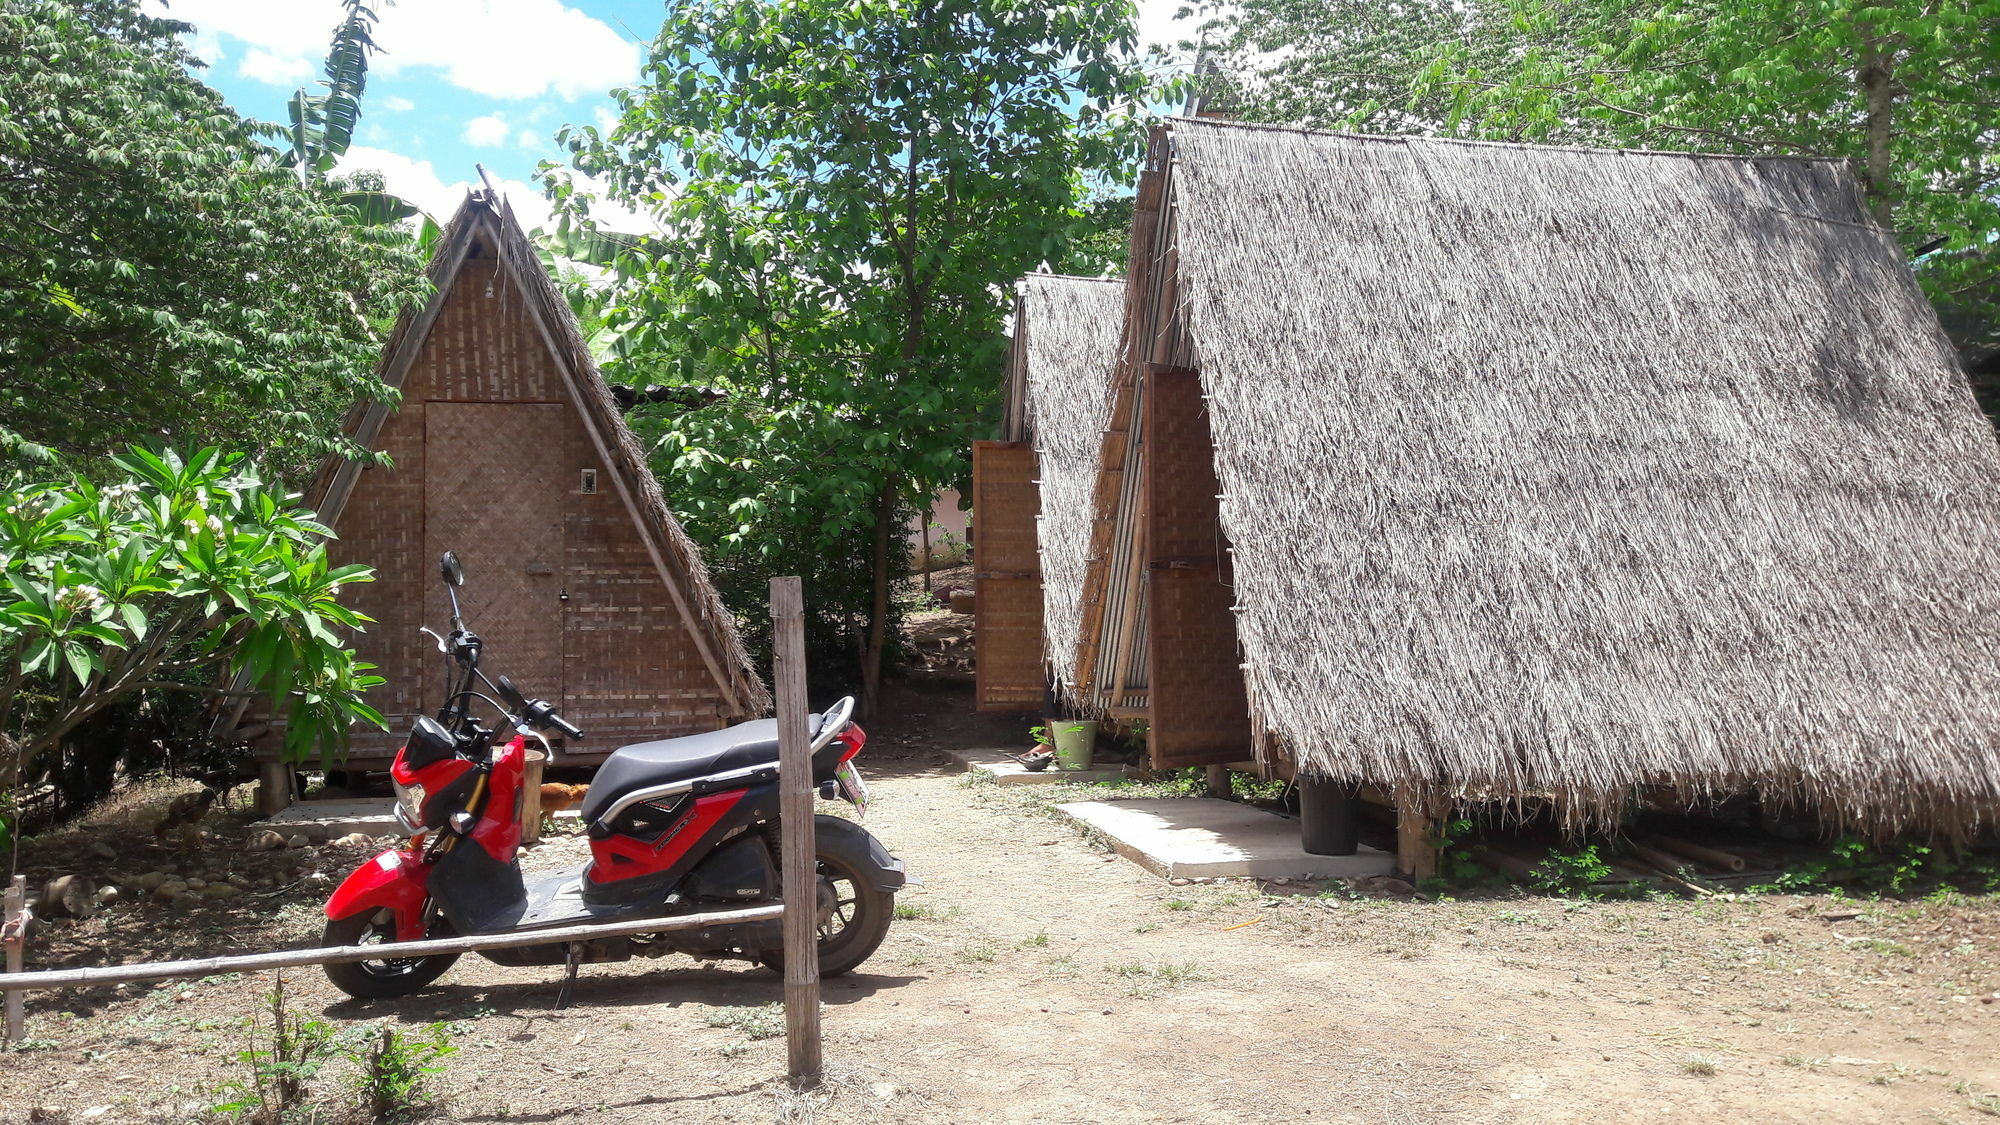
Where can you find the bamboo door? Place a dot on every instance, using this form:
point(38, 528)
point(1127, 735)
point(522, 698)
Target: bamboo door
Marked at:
point(495, 477)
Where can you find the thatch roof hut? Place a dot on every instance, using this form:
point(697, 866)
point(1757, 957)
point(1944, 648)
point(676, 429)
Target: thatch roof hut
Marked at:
point(509, 448)
point(1553, 472)
point(1058, 392)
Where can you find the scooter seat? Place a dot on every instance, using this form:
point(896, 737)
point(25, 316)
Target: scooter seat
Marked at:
point(646, 764)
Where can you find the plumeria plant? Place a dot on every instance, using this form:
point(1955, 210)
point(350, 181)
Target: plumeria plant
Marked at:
point(190, 574)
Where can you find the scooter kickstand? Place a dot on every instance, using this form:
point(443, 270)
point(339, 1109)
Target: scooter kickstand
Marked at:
point(572, 957)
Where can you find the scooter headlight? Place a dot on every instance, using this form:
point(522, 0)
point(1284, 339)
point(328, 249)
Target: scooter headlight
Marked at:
point(410, 805)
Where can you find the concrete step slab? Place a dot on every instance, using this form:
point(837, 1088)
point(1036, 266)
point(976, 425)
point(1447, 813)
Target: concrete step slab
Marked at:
point(1007, 771)
point(1209, 838)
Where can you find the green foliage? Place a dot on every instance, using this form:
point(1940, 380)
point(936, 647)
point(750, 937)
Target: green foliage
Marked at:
point(184, 572)
point(161, 273)
point(1901, 867)
point(397, 1071)
point(1454, 840)
point(848, 190)
point(1904, 88)
point(1569, 874)
point(281, 1067)
point(392, 1086)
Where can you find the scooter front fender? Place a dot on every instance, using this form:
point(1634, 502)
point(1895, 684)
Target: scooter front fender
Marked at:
point(398, 880)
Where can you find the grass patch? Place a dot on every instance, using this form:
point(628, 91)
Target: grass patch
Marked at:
point(1039, 940)
point(762, 1021)
point(1178, 904)
point(1698, 1065)
point(923, 912)
point(1152, 980)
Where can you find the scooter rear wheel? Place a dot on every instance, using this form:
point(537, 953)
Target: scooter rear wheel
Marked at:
point(382, 980)
point(853, 915)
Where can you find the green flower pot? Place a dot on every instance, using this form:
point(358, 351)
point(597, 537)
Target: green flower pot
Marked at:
point(1074, 742)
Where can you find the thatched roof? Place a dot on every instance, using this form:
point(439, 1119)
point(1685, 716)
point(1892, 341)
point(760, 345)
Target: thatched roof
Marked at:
point(711, 626)
point(1066, 332)
point(1562, 471)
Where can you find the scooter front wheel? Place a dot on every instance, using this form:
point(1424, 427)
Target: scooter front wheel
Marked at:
point(382, 980)
point(853, 916)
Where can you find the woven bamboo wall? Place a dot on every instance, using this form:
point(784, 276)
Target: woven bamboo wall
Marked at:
point(1199, 712)
point(1007, 616)
point(560, 584)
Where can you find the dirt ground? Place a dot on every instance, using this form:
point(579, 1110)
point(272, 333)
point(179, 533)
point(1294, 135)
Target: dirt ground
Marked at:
point(1035, 978)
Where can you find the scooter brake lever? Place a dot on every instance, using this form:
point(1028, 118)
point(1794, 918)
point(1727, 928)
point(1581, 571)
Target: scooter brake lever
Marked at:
point(538, 736)
point(442, 647)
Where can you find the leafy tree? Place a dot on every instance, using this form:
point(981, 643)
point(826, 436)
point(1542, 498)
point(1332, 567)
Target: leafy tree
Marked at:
point(848, 190)
point(1909, 90)
point(164, 276)
point(186, 570)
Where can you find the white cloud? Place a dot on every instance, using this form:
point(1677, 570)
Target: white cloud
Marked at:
point(419, 182)
point(607, 118)
point(527, 140)
point(277, 70)
point(486, 131)
point(499, 48)
point(395, 103)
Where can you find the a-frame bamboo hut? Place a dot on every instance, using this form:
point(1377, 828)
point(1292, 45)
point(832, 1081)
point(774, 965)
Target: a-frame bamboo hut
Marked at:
point(1032, 491)
point(1544, 473)
point(509, 449)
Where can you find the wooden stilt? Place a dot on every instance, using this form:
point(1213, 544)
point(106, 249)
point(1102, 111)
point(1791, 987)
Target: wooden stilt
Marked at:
point(274, 787)
point(1219, 784)
point(1416, 854)
point(800, 872)
point(531, 797)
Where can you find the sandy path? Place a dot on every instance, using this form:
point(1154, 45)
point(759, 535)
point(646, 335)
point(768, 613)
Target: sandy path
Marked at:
point(1042, 980)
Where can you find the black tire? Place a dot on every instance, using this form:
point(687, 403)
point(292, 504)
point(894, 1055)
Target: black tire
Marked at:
point(854, 926)
point(381, 980)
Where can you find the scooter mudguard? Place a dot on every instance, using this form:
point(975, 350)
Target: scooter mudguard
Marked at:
point(395, 879)
point(860, 848)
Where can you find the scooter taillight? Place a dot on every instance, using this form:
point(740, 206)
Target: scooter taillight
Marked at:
point(854, 738)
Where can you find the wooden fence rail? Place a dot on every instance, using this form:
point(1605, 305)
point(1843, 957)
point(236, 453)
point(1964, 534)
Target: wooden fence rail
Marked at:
point(386, 951)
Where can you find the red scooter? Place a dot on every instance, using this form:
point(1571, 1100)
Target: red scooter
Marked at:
point(677, 826)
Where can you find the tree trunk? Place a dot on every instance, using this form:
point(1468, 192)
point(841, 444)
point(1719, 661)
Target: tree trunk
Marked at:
point(1876, 74)
point(878, 610)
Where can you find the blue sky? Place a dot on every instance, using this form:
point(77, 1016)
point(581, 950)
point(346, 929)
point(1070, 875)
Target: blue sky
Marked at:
point(457, 81)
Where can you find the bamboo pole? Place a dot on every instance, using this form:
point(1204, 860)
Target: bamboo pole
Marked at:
point(795, 831)
point(14, 932)
point(1700, 853)
point(1668, 869)
point(387, 951)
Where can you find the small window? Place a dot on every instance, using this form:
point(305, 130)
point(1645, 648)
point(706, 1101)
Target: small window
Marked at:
point(589, 481)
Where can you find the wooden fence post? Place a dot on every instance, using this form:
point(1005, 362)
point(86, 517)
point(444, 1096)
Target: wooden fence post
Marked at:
point(14, 934)
point(795, 829)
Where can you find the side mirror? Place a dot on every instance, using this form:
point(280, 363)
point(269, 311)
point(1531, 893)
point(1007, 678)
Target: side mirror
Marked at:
point(449, 568)
point(511, 695)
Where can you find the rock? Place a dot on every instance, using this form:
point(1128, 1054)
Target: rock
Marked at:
point(263, 840)
point(151, 880)
point(222, 890)
point(195, 883)
point(169, 891)
point(298, 840)
point(107, 896)
point(314, 833)
point(102, 850)
point(316, 879)
point(240, 882)
point(354, 840)
point(1179, 881)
